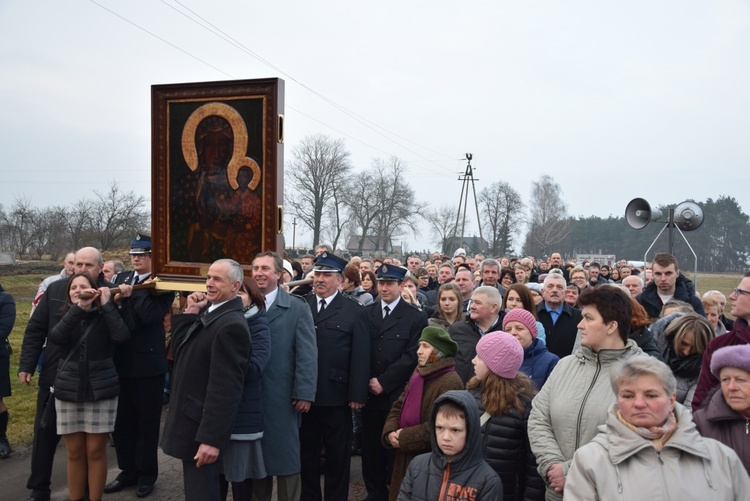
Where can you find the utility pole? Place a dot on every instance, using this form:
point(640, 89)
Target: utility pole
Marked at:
point(294, 232)
point(467, 179)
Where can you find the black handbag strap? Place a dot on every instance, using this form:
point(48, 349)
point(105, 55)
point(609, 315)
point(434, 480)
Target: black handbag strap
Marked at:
point(75, 348)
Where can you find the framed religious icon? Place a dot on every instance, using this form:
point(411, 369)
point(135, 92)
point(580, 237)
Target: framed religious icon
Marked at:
point(217, 174)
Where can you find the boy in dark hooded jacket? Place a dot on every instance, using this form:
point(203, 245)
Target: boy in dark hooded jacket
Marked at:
point(455, 469)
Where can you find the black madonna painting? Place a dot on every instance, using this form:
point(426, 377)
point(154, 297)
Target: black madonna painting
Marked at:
point(217, 172)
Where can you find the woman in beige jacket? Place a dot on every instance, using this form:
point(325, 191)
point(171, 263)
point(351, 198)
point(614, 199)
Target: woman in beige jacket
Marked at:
point(573, 402)
point(650, 448)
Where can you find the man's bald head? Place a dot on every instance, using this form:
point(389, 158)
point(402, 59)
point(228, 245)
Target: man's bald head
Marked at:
point(89, 260)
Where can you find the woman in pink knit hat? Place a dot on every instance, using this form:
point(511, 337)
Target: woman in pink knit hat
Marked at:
point(504, 396)
point(538, 362)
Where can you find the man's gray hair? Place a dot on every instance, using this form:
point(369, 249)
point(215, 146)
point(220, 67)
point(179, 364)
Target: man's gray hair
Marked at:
point(554, 276)
point(718, 293)
point(493, 295)
point(489, 262)
point(642, 284)
point(235, 270)
point(627, 371)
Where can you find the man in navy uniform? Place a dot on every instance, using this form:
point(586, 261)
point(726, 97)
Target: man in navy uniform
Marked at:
point(141, 364)
point(394, 327)
point(343, 376)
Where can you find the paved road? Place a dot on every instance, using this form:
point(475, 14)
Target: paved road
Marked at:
point(15, 471)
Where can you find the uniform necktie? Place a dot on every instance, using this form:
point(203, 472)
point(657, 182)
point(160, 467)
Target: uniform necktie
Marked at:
point(135, 279)
point(387, 311)
point(322, 306)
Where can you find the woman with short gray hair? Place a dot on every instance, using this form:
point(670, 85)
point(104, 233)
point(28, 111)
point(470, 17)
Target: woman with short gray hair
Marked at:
point(650, 448)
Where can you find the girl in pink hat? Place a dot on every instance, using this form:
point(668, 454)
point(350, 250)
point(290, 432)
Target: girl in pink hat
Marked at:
point(504, 396)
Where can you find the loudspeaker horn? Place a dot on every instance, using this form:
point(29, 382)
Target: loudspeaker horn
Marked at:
point(688, 216)
point(638, 214)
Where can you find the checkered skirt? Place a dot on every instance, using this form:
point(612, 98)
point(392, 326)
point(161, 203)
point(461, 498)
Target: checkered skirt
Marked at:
point(88, 417)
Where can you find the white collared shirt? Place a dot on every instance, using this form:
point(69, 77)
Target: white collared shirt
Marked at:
point(141, 278)
point(271, 297)
point(214, 306)
point(392, 305)
point(326, 299)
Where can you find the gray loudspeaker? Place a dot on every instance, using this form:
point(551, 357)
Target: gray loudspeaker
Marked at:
point(638, 214)
point(688, 216)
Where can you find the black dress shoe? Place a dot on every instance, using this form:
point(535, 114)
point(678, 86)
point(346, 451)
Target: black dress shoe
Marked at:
point(35, 496)
point(5, 450)
point(117, 485)
point(144, 490)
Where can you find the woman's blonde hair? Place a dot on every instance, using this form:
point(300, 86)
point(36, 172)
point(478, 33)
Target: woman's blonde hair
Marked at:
point(693, 323)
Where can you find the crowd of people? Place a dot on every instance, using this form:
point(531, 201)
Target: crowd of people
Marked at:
point(454, 377)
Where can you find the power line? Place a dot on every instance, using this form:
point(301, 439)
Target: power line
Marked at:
point(364, 121)
point(162, 39)
point(228, 39)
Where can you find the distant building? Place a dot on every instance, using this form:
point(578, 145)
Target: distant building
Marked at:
point(608, 259)
point(371, 248)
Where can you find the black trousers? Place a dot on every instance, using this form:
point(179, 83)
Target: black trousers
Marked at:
point(201, 484)
point(43, 448)
point(331, 426)
point(377, 462)
point(137, 428)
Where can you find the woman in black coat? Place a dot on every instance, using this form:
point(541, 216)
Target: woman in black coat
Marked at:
point(243, 459)
point(86, 386)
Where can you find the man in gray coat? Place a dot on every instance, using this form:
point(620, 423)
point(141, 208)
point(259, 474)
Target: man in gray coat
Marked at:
point(289, 380)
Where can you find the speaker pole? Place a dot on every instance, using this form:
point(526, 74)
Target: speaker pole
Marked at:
point(670, 223)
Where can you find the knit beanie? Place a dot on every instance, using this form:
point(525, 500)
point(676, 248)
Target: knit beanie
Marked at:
point(440, 340)
point(524, 317)
point(737, 356)
point(501, 352)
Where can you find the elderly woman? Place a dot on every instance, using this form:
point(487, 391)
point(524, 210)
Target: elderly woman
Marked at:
point(538, 362)
point(520, 296)
point(574, 401)
point(650, 449)
point(726, 416)
point(407, 427)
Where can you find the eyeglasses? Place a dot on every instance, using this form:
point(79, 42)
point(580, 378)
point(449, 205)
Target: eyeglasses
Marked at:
point(739, 292)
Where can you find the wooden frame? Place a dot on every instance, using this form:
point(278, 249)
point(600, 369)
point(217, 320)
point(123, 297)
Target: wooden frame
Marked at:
point(217, 174)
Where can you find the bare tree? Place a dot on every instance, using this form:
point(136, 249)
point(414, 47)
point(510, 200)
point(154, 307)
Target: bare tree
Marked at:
point(320, 164)
point(399, 211)
point(362, 207)
point(19, 223)
point(6, 240)
point(50, 237)
point(501, 210)
point(337, 216)
point(548, 217)
point(78, 222)
point(443, 224)
point(118, 216)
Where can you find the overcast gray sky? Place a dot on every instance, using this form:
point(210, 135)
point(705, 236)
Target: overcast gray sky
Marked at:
point(615, 100)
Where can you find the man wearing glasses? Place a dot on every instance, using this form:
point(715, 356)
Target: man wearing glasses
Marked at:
point(740, 299)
